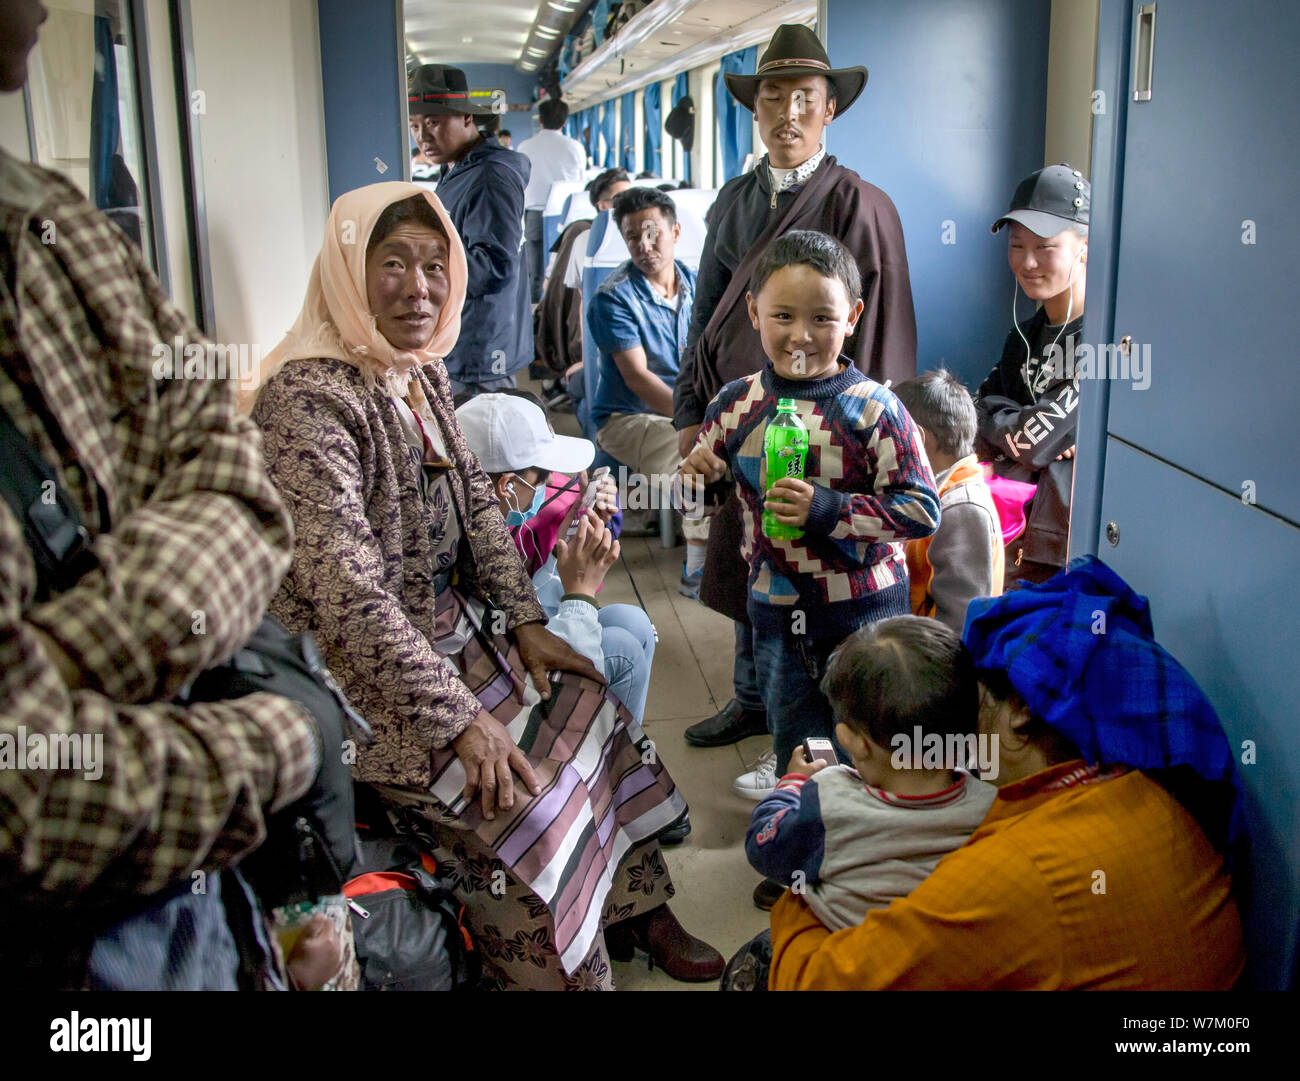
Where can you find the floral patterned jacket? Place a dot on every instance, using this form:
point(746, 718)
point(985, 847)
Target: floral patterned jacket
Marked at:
point(362, 574)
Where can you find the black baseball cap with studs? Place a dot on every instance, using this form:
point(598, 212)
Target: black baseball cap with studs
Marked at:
point(1050, 200)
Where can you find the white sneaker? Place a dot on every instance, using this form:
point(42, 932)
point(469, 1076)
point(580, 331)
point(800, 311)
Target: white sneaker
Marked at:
point(760, 782)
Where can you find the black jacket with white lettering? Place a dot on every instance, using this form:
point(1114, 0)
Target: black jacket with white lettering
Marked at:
point(1028, 415)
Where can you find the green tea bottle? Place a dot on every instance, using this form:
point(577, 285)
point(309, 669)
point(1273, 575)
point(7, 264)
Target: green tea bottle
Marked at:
point(785, 448)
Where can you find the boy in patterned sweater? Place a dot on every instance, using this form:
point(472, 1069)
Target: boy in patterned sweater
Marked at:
point(867, 486)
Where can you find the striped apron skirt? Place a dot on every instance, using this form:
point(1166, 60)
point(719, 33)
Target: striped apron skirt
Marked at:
point(541, 879)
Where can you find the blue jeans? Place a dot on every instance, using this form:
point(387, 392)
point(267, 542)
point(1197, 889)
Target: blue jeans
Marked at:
point(180, 941)
point(743, 677)
point(796, 707)
point(628, 641)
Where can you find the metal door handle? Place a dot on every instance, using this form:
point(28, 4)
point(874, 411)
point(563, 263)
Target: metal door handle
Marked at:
point(1144, 52)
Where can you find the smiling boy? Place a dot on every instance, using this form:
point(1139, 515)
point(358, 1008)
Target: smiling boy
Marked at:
point(867, 487)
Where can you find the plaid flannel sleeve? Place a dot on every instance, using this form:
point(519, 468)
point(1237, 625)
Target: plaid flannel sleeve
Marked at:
point(154, 792)
point(186, 573)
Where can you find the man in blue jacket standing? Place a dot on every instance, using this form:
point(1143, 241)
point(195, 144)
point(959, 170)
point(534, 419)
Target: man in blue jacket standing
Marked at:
point(482, 186)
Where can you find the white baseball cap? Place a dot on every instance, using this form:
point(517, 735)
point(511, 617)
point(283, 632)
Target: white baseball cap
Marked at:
point(508, 433)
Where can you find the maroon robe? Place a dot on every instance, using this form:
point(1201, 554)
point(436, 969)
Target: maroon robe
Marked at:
point(724, 345)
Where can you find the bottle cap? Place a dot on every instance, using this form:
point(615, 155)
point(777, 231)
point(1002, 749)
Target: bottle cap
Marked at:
point(785, 405)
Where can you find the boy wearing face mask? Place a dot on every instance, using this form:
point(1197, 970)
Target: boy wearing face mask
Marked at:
point(1027, 407)
point(518, 451)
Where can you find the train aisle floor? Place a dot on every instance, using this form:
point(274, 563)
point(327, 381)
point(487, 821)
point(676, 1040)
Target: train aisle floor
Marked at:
point(690, 680)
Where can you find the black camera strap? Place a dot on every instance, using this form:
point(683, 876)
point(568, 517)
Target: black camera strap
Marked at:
point(59, 543)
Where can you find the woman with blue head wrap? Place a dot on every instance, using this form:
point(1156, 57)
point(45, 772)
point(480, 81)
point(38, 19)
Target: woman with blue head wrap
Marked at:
point(1103, 862)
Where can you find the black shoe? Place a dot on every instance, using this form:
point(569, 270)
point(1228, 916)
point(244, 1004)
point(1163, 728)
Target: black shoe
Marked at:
point(767, 893)
point(676, 832)
point(729, 725)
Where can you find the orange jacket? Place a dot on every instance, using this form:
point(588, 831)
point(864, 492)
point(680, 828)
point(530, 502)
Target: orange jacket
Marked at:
point(919, 569)
point(1108, 884)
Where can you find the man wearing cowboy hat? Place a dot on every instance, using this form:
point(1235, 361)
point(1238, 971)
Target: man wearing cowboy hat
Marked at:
point(794, 94)
point(482, 186)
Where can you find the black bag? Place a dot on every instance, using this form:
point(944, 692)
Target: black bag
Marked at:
point(310, 845)
point(409, 927)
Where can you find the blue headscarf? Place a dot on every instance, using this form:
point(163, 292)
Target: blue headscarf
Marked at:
point(1080, 651)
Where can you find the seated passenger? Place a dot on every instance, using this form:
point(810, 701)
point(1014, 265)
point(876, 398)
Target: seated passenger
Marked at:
point(559, 315)
point(181, 524)
point(602, 192)
point(963, 559)
point(557, 333)
point(1102, 863)
point(535, 539)
point(400, 548)
point(1026, 408)
point(639, 318)
point(517, 450)
point(853, 839)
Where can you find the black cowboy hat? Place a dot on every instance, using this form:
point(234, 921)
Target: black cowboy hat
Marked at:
point(443, 90)
point(794, 51)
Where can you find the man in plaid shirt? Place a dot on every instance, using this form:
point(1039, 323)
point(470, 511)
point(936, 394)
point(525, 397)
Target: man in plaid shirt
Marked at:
point(191, 541)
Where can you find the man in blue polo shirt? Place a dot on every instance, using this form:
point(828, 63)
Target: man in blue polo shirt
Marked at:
point(639, 319)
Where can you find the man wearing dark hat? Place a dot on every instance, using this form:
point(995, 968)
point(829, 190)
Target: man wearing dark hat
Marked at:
point(482, 186)
point(1027, 405)
point(793, 94)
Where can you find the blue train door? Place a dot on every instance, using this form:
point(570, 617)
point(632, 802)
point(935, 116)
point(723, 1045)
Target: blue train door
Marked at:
point(1194, 255)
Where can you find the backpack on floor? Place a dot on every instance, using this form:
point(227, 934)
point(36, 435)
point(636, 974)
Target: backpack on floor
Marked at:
point(409, 927)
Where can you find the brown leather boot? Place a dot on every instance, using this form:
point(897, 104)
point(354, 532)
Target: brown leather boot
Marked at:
point(668, 943)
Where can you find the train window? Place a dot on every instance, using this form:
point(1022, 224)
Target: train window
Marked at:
point(85, 112)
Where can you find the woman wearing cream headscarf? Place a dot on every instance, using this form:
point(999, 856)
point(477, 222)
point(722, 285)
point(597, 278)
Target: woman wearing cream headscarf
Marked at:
point(531, 792)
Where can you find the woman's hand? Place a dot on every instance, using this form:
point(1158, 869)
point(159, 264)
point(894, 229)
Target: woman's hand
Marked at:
point(488, 754)
point(583, 562)
point(789, 501)
point(542, 652)
point(1065, 455)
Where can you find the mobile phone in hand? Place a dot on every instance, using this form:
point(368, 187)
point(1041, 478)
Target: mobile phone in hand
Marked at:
point(823, 749)
point(588, 499)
